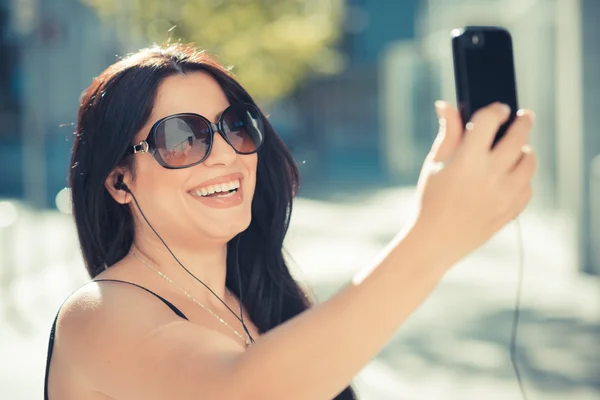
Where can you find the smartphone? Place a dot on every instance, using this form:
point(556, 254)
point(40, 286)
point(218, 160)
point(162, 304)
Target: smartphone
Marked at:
point(484, 71)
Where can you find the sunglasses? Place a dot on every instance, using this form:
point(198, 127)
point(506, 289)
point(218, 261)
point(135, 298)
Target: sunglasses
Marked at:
point(184, 140)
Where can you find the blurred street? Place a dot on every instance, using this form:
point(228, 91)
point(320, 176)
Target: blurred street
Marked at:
point(454, 347)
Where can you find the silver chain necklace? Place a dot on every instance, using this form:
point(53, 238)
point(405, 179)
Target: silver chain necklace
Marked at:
point(246, 339)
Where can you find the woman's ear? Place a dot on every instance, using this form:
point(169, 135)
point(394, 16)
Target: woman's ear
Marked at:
point(114, 184)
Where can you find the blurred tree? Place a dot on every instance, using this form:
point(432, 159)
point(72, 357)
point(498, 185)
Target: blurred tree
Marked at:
point(272, 44)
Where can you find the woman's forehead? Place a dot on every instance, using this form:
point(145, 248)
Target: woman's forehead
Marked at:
point(195, 92)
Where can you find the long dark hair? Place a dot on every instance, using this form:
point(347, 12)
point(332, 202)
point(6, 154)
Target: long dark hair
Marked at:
point(117, 105)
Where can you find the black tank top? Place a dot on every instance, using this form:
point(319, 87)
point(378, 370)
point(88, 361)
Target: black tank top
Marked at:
point(51, 341)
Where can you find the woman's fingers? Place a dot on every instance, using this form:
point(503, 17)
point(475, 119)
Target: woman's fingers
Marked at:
point(468, 201)
point(483, 127)
point(450, 132)
point(522, 173)
point(507, 152)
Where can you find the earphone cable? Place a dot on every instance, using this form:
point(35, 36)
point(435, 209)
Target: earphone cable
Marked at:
point(186, 270)
point(237, 267)
point(513, 339)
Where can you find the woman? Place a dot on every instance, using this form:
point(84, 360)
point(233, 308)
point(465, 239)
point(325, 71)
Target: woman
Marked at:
point(182, 194)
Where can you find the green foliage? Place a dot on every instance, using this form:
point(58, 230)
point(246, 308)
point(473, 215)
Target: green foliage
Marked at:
point(272, 44)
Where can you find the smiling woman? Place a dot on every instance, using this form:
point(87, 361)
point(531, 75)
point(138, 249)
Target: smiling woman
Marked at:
point(182, 194)
point(181, 135)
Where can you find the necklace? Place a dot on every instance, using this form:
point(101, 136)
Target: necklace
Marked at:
point(189, 296)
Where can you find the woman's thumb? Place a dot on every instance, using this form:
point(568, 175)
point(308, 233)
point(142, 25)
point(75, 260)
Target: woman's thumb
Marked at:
point(450, 132)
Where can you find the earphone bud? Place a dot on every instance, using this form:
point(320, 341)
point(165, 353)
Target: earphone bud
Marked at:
point(120, 185)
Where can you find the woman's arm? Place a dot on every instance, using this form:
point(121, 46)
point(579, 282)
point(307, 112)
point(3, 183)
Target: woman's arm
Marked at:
point(315, 355)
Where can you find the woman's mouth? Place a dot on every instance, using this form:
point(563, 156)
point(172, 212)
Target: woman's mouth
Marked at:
point(218, 190)
point(220, 195)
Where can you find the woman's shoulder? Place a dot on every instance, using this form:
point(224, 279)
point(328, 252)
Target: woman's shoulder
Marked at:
point(108, 329)
point(102, 322)
point(113, 312)
point(103, 303)
point(98, 310)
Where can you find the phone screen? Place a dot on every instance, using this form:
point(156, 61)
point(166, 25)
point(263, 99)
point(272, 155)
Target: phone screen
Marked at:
point(484, 71)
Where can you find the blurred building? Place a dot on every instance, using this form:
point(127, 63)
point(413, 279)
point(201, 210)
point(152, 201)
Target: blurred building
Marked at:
point(375, 122)
point(10, 102)
point(50, 51)
point(372, 123)
point(337, 130)
point(557, 56)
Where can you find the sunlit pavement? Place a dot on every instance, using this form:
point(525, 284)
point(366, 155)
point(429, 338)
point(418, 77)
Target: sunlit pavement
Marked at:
point(454, 347)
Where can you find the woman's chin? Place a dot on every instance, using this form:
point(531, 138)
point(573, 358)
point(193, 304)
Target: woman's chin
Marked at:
point(226, 230)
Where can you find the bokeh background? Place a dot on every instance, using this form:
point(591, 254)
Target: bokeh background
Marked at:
point(350, 86)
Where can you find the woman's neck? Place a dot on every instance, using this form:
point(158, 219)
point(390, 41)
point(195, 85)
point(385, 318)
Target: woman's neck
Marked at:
point(208, 264)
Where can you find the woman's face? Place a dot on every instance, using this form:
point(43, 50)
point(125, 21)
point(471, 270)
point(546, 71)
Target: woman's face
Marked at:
point(172, 199)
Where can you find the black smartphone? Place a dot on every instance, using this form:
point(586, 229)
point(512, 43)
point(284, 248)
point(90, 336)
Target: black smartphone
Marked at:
point(484, 71)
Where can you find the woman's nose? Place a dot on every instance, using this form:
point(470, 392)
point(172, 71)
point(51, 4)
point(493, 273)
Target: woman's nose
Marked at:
point(221, 153)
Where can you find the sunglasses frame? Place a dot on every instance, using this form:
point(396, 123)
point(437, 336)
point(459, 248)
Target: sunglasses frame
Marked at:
point(149, 144)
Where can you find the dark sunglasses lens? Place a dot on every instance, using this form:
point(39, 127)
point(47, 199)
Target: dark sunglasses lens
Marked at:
point(182, 140)
point(243, 127)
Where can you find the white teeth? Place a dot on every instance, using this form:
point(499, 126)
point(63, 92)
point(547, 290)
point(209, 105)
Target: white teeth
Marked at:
point(218, 188)
point(228, 194)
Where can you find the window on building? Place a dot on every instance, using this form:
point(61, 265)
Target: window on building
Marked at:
point(9, 81)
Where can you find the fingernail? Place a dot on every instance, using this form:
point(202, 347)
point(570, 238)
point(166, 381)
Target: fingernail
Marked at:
point(522, 112)
point(526, 149)
point(439, 108)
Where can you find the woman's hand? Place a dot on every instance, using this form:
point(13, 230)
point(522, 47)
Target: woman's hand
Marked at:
point(468, 191)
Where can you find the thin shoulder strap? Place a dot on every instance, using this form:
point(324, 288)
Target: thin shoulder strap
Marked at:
point(53, 330)
point(167, 302)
